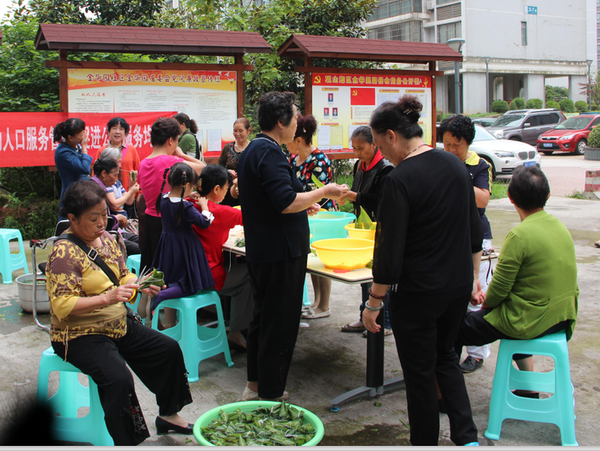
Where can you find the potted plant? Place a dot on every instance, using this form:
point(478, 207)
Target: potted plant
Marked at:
point(592, 151)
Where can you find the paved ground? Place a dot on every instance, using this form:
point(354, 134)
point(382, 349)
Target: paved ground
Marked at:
point(328, 362)
point(566, 172)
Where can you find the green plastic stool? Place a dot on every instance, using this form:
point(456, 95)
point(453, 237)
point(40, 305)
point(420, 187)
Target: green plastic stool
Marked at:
point(10, 262)
point(133, 263)
point(558, 409)
point(196, 342)
point(305, 299)
point(70, 396)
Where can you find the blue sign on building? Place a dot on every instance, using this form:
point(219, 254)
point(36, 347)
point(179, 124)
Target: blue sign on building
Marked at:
point(531, 10)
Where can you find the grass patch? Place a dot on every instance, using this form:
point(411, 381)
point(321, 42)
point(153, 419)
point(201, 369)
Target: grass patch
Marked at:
point(576, 195)
point(499, 189)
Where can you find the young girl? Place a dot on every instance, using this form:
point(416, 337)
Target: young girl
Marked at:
point(232, 280)
point(180, 254)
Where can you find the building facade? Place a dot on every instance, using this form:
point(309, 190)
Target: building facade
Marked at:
point(523, 41)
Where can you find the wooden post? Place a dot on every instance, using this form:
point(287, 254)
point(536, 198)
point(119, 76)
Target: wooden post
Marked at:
point(433, 104)
point(307, 87)
point(63, 83)
point(239, 60)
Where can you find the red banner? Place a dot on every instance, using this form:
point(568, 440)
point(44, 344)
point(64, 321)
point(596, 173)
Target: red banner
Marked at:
point(26, 138)
point(376, 80)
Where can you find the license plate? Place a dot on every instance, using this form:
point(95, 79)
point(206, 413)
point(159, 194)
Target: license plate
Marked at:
point(547, 144)
point(529, 163)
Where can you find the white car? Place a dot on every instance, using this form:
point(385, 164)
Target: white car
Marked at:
point(504, 155)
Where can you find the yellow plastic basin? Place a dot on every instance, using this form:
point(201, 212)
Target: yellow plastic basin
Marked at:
point(344, 253)
point(365, 234)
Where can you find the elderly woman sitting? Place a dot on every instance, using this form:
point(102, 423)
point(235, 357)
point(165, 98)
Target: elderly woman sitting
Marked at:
point(92, 328)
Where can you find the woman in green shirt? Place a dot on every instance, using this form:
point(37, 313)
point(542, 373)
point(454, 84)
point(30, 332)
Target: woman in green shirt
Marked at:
point(188, 142)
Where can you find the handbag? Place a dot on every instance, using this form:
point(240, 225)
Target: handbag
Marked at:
point(93, 255)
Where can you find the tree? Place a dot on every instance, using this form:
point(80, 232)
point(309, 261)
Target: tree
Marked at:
point(556, 93)
point(592, 88)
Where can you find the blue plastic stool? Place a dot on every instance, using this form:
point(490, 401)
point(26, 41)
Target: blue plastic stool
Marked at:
point(11, 262)
point(305, 299)
point(70, 396)
point(196, 342)
point(133, 263)
point(558, 409)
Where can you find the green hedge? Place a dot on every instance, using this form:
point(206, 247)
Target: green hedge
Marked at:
point(594, 138)
point(499, 106)
point(535, 104)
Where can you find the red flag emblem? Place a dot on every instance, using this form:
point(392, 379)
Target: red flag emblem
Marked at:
point(362, 96)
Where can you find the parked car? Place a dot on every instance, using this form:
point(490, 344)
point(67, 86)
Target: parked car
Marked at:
point(504, 155)
point(483, 121)
point(526, 125)
point(570, 136)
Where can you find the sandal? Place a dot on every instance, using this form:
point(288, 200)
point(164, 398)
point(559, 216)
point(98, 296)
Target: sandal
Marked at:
point(350, 328)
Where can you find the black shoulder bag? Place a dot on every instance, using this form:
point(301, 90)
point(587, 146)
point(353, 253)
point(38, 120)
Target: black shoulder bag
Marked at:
point(93, 255)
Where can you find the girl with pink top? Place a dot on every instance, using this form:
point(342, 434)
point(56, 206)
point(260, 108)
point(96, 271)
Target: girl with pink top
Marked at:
point(164, 138)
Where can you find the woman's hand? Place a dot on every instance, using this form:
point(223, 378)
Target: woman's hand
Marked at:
point(85, 140)
point(122, 221)
point(194, 196)
point(313, 209)
point(335, 191)
point(120, 294)
point(478, 296)
point(233, 174)
point(369, 319)
point(134, 189)
point(234, 190)
point(152, 290)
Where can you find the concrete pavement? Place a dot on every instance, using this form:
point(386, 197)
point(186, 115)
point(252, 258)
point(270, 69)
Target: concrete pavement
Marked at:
point(327, 362)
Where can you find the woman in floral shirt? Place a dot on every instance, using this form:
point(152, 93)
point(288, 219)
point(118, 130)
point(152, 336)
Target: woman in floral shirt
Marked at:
point(312, 168)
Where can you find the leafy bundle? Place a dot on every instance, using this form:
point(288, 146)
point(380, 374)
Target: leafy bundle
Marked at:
point(364, 221)
point(279, 425)
point(157, 278)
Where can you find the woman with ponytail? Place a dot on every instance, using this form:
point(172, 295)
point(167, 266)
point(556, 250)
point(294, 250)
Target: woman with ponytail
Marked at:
point(71, 158)
point(152, 179)
point(188, 143)
point(180, 254)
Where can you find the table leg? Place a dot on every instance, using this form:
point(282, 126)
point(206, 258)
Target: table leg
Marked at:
point(375, 359)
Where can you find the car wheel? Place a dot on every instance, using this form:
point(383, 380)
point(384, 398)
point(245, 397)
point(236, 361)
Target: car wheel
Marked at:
point(547, 152)
point(514, 138)
point(491, 163)
point(581, 144)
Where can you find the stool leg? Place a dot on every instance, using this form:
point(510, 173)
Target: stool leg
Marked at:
point(223, 334)
point(564, 392)
point(498, 396)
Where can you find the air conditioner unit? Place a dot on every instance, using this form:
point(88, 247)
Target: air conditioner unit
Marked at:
point(430, 5)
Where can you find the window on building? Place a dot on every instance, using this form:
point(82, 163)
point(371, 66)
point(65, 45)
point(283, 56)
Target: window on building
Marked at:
point(448, 12)
point(523, 33)
point(443, 2)
point(449, 31)
point(391, 8)
point(403, 31)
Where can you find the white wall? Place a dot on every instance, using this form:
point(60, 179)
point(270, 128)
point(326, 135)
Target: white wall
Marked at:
point(557, 32)
point(473, 92)
point(535, 87)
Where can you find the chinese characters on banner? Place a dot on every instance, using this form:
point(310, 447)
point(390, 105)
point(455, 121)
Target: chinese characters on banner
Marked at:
point(208, 97)
point(344, 102)
point(26, 139)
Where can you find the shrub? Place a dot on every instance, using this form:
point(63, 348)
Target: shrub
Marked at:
point(518, 102)
point(594, 138)
point(35, 218)
point(594, 107)
point(499, 106)
point(552, 104)
point(581, 106)
point(566, 106)
point(535, 104)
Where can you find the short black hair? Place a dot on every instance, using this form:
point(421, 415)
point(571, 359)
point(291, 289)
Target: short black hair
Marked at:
point(211, 176)
point(274, 107)
point(163, 129)
point(363, 132)
point(80, 196)
point(115, 121)
point(105, 164)
point(529, 188)
point(459, 126)
point(70, 127)
point(401, 117)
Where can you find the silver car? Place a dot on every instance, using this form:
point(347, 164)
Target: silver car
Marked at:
point(504, 155)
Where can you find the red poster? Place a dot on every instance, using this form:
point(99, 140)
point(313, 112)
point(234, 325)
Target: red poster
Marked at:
point(362, 96)
point(26, 138)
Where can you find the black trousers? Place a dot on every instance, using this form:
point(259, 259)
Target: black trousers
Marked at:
point(425, 332)
point(476, 331)
point(150, 231)
point(155, 358)
point(278, 289)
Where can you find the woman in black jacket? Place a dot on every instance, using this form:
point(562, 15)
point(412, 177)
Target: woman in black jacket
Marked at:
point(369, 170)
